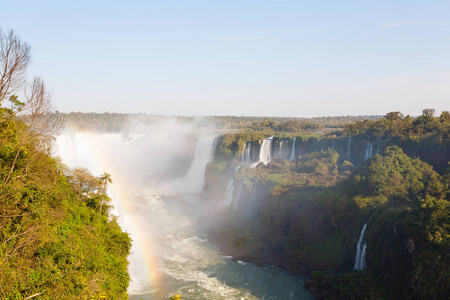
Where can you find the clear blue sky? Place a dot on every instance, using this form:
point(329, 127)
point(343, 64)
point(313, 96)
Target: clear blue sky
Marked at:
point(272, 58)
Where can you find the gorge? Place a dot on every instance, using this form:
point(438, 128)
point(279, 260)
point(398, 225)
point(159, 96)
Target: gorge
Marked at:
point(156, 192)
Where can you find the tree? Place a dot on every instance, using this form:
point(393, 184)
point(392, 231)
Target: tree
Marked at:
point(393, 115)
point(36, 113)
point(15, 57)
point(445, 115)
point(428, 112)
point(105, 178)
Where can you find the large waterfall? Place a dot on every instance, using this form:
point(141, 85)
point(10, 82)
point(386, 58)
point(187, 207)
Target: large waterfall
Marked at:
point(194, 180)
point(264, 153)
point(170, 252)
point(360, 259)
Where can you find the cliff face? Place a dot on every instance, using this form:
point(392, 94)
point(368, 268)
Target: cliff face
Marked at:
point(314, 208)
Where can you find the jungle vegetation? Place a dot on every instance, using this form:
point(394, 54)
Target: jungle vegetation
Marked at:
point(315, 206)
point(57, 237)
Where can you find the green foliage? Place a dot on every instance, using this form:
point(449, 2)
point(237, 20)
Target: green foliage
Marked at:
point(53, 241)
point(117, 122)
point(312, 219)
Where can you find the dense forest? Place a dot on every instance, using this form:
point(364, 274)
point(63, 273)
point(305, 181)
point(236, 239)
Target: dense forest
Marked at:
point(307, 213)
point(119, 122)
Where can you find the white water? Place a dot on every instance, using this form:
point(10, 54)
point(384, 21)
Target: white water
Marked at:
point(366, 152)
point(264, 153)
point(293, 150)
point(360, 259)
point(334, 142)
point(194, 180)
point(280, 149)
point(169, 241)
point(229, 192)
point(246, 153)
point(237, 197)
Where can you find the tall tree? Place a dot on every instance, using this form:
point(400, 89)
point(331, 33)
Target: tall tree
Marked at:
point(105, 179)
point(36, 113)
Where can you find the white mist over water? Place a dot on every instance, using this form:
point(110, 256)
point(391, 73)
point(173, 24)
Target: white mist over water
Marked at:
point(170, 253)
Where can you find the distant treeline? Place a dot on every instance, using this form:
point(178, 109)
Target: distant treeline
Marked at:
point(115, 122)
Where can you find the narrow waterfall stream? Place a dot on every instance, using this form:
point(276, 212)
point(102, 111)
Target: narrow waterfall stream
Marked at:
point(360, 258)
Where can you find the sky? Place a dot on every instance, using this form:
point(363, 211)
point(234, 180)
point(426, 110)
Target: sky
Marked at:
point(254, 58)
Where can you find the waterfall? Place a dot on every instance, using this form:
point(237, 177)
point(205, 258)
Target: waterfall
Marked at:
point(293, 150)
point(334, 142)
point(348, 146)
point(264, 152)
point(229, 192)
point(368, 152)
point(237, 197)
point(360, 259)
point(246, 153)
point(194, 180)
point(378, 147)
point(280, 149)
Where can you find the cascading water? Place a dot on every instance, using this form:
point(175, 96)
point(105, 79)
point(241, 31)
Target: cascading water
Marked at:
point(170, 253)
point(280, 149)
point(334, 142)
point(246, 153)
point(193, 181)
point(368, 152)
point(293, 150)
point(238, 201)
point(229, 192)
point(348, 146)
point(378, 147)
point(360, 259)
point(264, 153)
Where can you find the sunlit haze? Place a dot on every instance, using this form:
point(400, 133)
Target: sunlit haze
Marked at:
point(254, 58)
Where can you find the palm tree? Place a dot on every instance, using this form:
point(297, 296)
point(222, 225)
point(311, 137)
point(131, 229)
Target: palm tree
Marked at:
point(105, 178)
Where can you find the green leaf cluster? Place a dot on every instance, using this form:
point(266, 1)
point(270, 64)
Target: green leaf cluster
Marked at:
point(54, 242)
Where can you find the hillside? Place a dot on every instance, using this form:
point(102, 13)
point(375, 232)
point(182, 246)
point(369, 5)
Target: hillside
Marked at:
point(305, 209)
point(54, 241)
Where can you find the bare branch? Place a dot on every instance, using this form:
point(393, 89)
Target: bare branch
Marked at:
point(15, 57)
point(36, 113)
